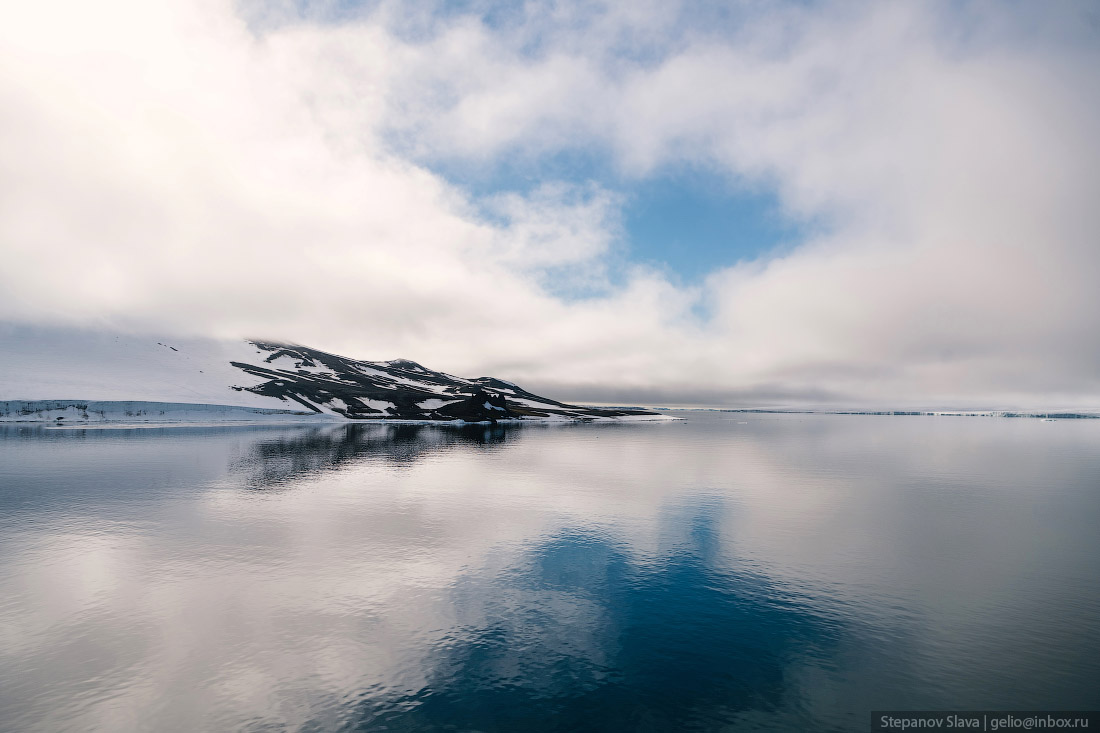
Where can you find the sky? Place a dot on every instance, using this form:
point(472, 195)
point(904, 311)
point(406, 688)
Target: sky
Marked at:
point(729, 203)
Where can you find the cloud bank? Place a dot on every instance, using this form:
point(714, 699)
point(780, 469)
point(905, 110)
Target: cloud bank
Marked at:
point(216, 168)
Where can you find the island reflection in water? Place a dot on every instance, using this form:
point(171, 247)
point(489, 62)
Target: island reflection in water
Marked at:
point(745, 571)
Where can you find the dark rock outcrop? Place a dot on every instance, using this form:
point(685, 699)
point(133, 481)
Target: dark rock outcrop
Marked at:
point(399, 389)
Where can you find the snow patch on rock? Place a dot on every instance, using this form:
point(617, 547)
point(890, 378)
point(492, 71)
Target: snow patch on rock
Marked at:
point(434, 404)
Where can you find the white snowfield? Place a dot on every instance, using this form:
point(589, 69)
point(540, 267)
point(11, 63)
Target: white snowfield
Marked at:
point(64, 413)
point(65, 376)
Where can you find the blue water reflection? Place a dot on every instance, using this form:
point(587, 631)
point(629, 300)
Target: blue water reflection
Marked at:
point(585, 638)
point(731, 572)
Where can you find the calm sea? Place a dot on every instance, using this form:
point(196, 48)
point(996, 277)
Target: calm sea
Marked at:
point(726, 572)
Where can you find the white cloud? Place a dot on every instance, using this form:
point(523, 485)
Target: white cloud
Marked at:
point(169, 166)
point(555, 225)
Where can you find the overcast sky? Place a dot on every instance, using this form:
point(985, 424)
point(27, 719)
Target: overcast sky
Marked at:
point(735, 203)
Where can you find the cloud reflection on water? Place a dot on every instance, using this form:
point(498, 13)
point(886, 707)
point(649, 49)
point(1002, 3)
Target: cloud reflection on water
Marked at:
point(578, 635)
point(778, 572)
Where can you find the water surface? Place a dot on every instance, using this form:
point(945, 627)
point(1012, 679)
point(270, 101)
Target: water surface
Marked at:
point(729, 572)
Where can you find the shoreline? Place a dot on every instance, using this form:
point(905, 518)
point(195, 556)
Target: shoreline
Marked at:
point(122, 414)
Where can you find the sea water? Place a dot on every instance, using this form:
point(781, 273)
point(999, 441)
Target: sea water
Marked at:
point(728, 571)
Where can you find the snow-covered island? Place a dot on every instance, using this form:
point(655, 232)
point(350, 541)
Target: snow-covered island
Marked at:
point(81, 378)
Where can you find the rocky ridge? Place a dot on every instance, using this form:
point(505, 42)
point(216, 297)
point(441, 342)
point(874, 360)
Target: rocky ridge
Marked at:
point(400, 389)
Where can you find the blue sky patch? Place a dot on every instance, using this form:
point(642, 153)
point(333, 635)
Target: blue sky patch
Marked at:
point(686, 221)
point(694, 222)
